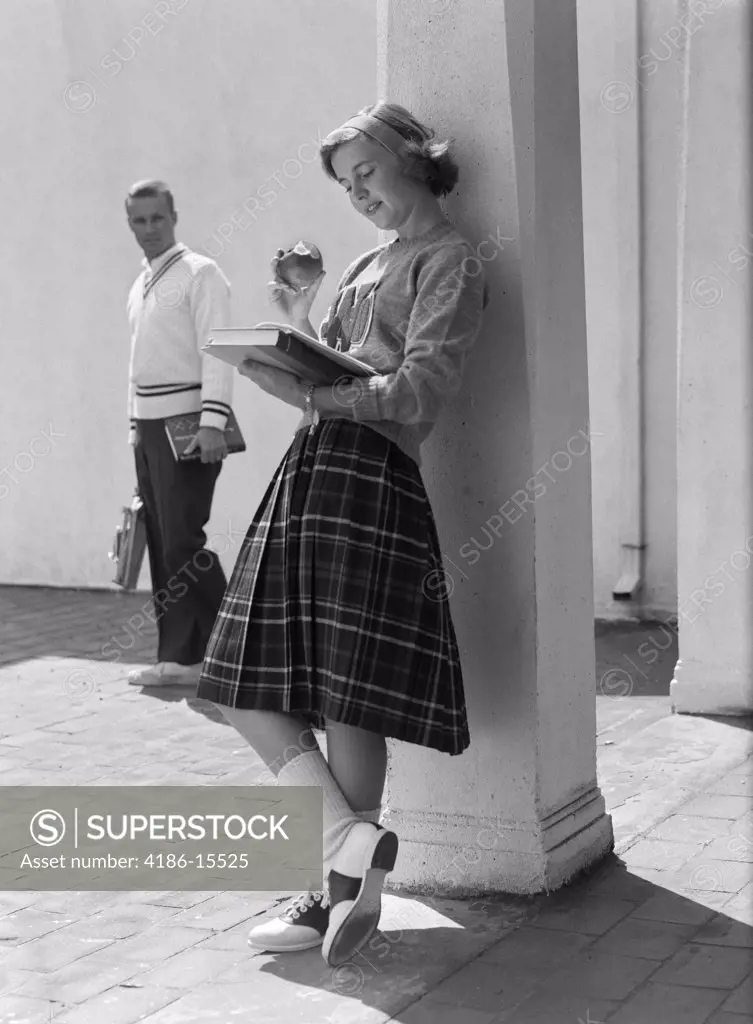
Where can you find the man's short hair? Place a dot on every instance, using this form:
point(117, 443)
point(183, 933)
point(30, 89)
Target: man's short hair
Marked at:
point(151, 188)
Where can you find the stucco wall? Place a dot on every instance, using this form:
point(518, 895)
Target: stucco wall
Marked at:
point(661, 79)
point(630, 114)
point(226, 101)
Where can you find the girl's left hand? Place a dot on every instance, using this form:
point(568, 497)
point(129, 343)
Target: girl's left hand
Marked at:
point(278, 383)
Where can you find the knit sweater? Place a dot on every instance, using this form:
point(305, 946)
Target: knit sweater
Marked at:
point(411, 309)
point(187, 296)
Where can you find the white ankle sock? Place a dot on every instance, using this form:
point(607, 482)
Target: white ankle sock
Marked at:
point(311, 769)
point(372, 816)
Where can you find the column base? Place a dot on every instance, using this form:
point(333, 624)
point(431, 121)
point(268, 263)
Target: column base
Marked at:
point(459, 856)
point(699, 688)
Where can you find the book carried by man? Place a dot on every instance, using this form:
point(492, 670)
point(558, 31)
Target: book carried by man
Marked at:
point(182, 430)
point(288, 349)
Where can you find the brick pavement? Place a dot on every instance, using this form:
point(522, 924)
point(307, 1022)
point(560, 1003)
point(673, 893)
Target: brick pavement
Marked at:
point(661, 933)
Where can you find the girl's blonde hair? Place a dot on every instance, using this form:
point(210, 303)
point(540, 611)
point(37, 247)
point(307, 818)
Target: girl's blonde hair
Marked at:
point(425, 159)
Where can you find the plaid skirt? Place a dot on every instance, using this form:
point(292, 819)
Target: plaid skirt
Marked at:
point(333, 612)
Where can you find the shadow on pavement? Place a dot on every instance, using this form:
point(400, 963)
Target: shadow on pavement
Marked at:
point(634, 659)
point(738, 721)
point(550, 954)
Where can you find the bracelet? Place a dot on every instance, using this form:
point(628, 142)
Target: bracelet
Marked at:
point(311, 414)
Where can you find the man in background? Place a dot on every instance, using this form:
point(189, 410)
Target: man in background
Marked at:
point(173, 304)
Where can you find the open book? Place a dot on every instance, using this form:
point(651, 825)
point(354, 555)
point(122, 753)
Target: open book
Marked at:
point(287, 348)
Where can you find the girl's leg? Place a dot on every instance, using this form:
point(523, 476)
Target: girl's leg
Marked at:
point(356, 854)
point(287, 746)
point(289, 749)
point(276, 737)
point(358, 762)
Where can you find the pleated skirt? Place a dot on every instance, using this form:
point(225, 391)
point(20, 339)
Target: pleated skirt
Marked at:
point(335, 609)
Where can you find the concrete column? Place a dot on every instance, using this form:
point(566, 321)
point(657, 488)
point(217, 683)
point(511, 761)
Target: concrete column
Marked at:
point(714, 674)
point(508, 468)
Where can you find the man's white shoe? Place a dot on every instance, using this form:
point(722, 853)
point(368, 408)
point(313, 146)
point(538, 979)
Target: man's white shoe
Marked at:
point(165, 673)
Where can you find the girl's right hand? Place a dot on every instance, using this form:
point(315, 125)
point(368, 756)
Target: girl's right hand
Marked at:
point(294, 304)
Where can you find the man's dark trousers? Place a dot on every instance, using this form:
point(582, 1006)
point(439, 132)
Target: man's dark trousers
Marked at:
point(187, 579)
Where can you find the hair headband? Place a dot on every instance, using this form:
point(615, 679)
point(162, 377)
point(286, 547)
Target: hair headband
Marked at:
point(377, 130)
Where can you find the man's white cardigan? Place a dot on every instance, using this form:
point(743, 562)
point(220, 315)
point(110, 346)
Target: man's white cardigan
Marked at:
point(172, 307)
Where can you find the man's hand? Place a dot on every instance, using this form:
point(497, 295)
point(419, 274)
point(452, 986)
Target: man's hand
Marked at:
point(211, 442)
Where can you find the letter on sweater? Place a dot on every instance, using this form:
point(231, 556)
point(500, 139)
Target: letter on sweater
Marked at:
point(436, 344)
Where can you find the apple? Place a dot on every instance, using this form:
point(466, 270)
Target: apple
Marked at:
point(301, 265)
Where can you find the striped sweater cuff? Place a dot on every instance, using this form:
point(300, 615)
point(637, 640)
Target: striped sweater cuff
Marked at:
point(366, 406)
point(214, 414)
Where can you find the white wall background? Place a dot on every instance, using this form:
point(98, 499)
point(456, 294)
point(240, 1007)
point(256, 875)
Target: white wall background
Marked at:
point(614, 89)
point(661, 91)
point(214, 97)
